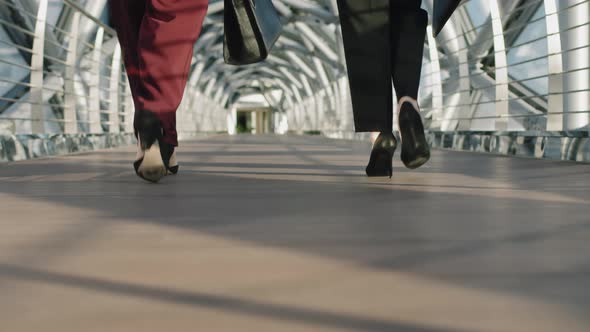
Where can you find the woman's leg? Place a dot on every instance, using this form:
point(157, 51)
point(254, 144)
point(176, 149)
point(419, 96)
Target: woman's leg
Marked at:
point(366, 35)
point(165, 47)
point(157, 38)
point(408, 33)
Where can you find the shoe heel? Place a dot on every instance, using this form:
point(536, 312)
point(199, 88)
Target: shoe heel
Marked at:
point(381, 160)
point(380, 164)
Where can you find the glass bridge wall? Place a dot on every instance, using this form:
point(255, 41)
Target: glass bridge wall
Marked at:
point(504, 76)
point(62, 83)
point(508, 77)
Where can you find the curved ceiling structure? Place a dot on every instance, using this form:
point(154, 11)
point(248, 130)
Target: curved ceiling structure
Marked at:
point(305, 58)
point(498, 66)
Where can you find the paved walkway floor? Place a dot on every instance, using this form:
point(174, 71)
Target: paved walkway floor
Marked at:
point(266, 233)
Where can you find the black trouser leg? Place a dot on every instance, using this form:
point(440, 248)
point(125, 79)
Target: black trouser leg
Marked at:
point(366, 35)
point(370, 34)
point(408, 33)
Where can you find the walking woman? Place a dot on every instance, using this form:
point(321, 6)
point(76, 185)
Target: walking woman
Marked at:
point(384, 40)
point(157, 38)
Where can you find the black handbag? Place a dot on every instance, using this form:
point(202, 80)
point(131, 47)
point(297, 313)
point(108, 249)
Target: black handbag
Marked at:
point(443, 9)
point(251, 29)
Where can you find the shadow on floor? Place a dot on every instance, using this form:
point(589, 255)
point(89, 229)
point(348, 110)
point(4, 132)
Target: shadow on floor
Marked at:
point(224, 303)
point(445, 235)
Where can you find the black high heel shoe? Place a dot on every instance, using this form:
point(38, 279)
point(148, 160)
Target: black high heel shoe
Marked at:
point(381, 161)
point(153, 155)
point(415, 148)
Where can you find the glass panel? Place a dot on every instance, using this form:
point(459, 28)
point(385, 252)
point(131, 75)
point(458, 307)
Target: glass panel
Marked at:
point(54, 8)
point(527, 58)
point(479, 12)
point(8, 71)
point(485, 113)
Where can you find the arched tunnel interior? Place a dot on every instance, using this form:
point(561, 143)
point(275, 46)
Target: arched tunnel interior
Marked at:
point(271, 223)
point(502, 77)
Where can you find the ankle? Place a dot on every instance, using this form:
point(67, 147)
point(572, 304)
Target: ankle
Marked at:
point(408, 99)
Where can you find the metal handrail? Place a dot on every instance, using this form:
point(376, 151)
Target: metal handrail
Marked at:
point(102, 87)
point(551, 102)
point(93, 83)
point(98, 22)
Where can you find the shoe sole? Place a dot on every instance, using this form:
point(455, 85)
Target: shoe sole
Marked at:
point(411, 137)
point(152, 167)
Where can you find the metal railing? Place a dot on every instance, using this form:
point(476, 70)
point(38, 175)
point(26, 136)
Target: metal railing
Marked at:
point(73, 80)
point(501, 78)
point(71, 76)
point(524, 69)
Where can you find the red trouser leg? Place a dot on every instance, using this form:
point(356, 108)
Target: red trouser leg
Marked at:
point(163, 52)
point(127, 16)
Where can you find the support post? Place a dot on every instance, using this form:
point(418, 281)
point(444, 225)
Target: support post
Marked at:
point(501, 68)
point(115, 91)
point(37, 75)
point(94, 110)
point(70, 115)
